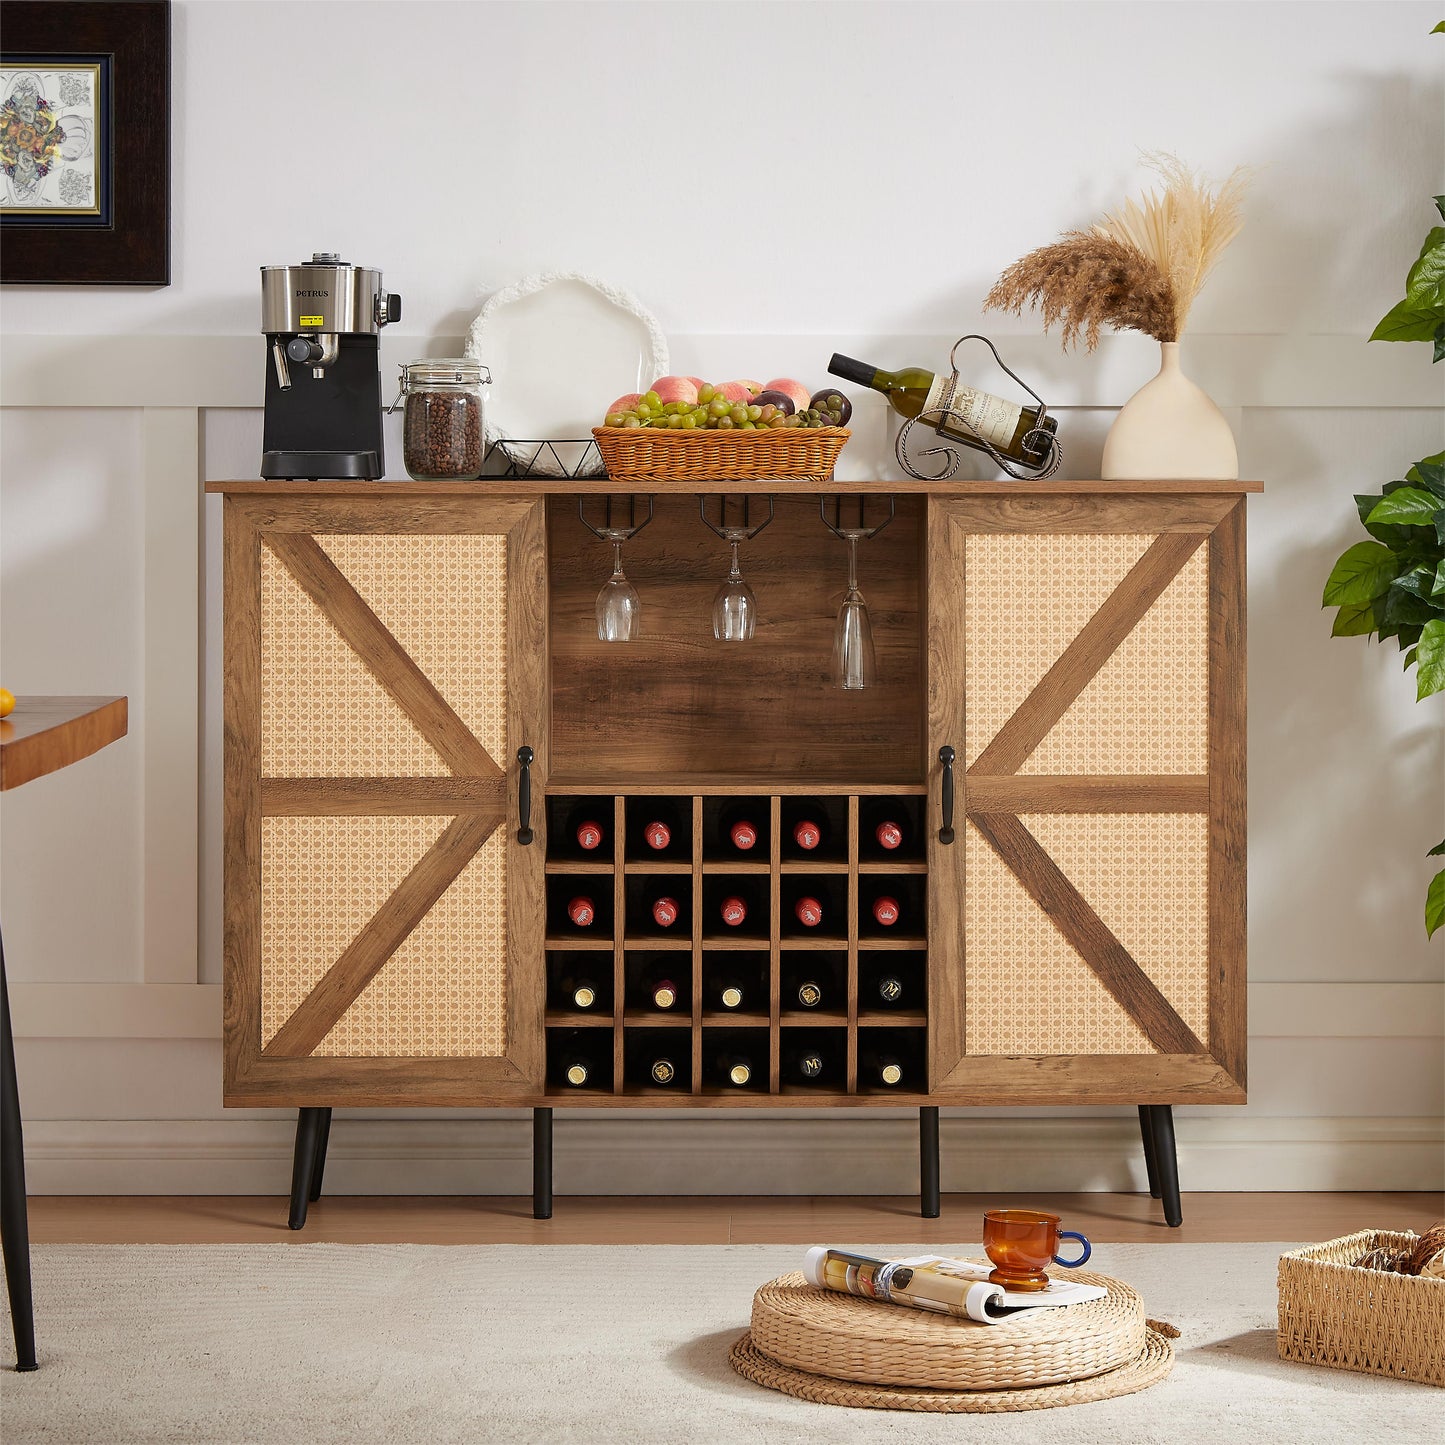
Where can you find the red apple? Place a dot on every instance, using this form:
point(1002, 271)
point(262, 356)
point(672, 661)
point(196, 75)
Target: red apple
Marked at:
point(794, 389)
point(676, 388)
point(736, 392)
point(754, 387)
point(625, 403)
point(698, 381)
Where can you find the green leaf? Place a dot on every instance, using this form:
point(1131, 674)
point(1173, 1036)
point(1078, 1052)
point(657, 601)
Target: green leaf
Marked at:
point(1440, 26)
point(1425, 283)
point(1430, 671)
point(1403, 609)
point(1418, 582)
point(1438, 851)
point(1406, 321)
point(1439, 520)
point(1410, 657)
point(1439, 343)
point(1354, 619)
point(1440, 200)
point(1430, 474)
point(1435, 903)
point(1437, 588)
point(1363, 573)
point(1408, 506)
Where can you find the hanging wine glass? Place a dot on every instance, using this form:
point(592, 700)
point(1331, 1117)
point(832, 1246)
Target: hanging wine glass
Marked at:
point(855, 660)
point(735, 607)
point(618, 607)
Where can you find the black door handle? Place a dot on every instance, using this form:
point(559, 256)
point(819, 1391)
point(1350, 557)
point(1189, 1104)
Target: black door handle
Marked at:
point(524, 796)
point(946, 756)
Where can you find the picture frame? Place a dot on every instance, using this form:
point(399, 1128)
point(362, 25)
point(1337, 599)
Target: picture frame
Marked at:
point(85, 142)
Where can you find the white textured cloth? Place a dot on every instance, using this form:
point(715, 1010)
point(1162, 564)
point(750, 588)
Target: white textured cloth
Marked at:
point(399, 1343)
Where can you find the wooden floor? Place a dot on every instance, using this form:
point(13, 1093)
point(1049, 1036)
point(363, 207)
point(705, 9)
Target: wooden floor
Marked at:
point(1105, 1218)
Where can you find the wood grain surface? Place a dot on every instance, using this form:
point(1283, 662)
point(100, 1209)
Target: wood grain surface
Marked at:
point(44, 734)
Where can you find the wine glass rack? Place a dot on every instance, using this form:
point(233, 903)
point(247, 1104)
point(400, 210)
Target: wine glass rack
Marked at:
point(623, 954)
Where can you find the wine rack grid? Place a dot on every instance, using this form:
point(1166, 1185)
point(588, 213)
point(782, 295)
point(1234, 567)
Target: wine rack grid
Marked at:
point(707, 1027)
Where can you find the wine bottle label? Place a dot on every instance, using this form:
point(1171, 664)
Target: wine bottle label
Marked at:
point(663, 1072)
point(581, 912)
point(809, 995)
point(809, 911)
point(584, 997)
point(577, 1075)
point(589, 835)
point(664, 912)
point(807, 834)
point(658, 835)
point(734, 910)
point(744, 835)
point(665, 995)
point(890, 1073)
point(973, 414)
point(810, 1066)
point(740, 1074)
point(889, 835)
point(885, 910)
point(732, 996)
point(890, 990)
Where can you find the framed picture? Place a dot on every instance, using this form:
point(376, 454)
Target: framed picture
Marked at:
point(85, 142)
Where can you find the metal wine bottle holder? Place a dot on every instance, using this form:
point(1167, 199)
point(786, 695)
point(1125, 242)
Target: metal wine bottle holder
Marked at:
point(1043, 440)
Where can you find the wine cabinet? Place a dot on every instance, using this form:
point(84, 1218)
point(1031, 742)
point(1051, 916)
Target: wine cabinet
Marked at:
point(477, 856)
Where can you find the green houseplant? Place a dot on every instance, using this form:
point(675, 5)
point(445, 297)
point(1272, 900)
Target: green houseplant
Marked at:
point(1394, 584)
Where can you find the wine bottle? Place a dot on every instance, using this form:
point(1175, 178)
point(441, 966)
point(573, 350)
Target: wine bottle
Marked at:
point(972, 414)
point(579, 992)
point(663, 907)
point(657, 835)
point(734, 911)
point(661, 990)
point(582, 911)
point(805, 1064)
point(662, 1071)
point(885, 910)
point(810, 831)
point(730, 993)
point(738, 829)
point(882, 1069)
point(576, 1071)
point(584, 827)
point(809, 911)
point(890, 989)
point(885, 827)
point(735, 1069)
point(810, 993)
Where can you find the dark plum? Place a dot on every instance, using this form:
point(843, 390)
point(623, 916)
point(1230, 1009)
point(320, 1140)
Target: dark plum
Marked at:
point(834, 404)
point(779, 399)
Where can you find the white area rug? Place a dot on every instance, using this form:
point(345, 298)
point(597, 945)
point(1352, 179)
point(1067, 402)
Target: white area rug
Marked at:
point(401, 1343)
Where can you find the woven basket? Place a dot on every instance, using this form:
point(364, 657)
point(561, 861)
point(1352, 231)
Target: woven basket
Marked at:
point(1331, 1313)
point(647, 454)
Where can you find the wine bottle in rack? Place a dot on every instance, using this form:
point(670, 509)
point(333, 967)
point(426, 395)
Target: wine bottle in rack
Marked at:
point(662, 1071)
point(886, 910)
point(733, 911)
point(881, 1068)
point(730, 992)
point(804, 1066)
point(809, 993)
point(884, 826)
point(890, 989)
point(657, 834)
point(662, 906)
point(808, 911)
point(584, 827)
point(739, 828)
point(661, 989)
point(576, 1071)
point(580, 993)
point(582, 911)
point(973, 418)
point(810, 831)
point(736, 1069)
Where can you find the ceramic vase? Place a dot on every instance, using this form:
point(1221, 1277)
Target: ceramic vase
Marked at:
point(1170, 430)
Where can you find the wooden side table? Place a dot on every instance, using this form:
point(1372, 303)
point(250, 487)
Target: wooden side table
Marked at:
point(42, 735)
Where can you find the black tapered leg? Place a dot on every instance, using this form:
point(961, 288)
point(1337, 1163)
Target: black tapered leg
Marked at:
point(303, 1164)
point(1146, 1128)
point(14, 1211)
point(318, 1167)
point(1166, 1163)
point(929, 1201)
point(541, 1164)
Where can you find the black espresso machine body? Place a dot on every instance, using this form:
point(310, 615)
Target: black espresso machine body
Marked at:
point(323, 382)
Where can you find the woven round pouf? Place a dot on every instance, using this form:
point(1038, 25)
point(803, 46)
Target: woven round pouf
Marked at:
point(823, 1332)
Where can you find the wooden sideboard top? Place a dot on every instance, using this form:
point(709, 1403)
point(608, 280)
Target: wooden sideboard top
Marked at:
point(571, 486)
point(45, 734)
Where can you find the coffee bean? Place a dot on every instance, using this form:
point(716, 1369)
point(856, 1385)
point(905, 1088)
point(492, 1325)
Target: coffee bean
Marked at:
point(442, 435)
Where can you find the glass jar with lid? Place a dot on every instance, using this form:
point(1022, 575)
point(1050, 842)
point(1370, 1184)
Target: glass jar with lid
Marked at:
point(441, 400)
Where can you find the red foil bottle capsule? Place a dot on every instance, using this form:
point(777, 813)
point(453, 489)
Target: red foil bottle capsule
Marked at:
point(657, 834)
point(664, 912)
point(889, 834)
point(809, 911)
point(743, 835)
point(807, 834)
point(734, 911)
point(885, 910)
point(581, 911)
point(589, 834)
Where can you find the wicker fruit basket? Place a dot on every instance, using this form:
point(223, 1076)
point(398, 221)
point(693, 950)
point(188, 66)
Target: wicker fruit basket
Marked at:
point(652, 454)
point(1333, 1313)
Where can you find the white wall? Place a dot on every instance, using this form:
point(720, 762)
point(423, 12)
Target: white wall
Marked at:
point(774, 180)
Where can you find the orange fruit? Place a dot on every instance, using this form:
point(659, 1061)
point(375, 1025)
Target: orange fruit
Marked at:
point(7, 702)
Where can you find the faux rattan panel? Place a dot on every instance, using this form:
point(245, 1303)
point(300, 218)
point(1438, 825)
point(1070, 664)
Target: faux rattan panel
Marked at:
point(1147, 708)
point(1028, 992)
point(323, 714)
point(322, 879)
point(444, 598)
point(443, 993)
point(1027, 595)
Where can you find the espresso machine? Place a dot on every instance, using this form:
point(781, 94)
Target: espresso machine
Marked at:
point(323, 384)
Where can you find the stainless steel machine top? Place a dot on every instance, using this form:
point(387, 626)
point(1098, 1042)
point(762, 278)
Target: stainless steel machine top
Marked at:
point(326, 295)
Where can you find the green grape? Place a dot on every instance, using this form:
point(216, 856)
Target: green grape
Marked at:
point(631, 421)
point(719, 406)
point(766, 413)
point(643, 410)
point(674, 422)
point(688, 421)
point(725, 423)
point(705, 393)
point(750, 426)
point(754, 412)
point(652, 399)
point(614, 418)
point(739, 414)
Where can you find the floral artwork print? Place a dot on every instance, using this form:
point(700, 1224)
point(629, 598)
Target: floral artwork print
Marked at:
point(48, 139)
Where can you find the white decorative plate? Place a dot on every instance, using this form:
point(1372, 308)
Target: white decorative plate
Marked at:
point(561, 347)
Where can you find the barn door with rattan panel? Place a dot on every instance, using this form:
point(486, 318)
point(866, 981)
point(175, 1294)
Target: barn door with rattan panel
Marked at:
point(1086, 664)
point(385, 661)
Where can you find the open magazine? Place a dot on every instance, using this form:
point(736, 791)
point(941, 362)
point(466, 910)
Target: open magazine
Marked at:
point(958, 1287)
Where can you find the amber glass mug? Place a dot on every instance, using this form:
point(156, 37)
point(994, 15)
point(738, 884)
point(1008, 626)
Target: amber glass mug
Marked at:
point(1021, 1244)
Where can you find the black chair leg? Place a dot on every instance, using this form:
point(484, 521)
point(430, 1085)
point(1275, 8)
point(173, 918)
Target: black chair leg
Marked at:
point(318, 1167)
point(541, 1164)
point(14, 1210)
point(1146, 1128)
point(303, 1163)
point(1166, 1162)
point(929, 1201)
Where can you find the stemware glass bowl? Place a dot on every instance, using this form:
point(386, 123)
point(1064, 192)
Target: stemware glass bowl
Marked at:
point(855, 660)
point(735, 607)
point(618, 606)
